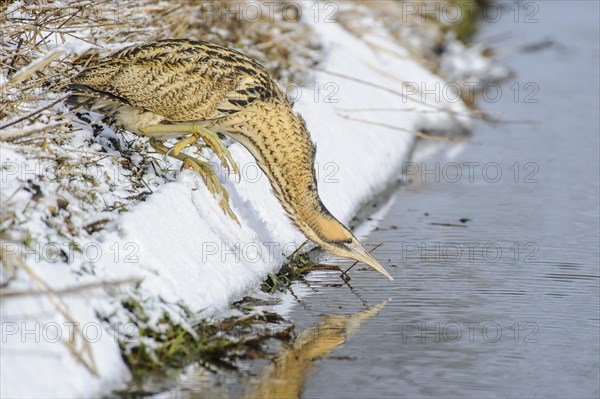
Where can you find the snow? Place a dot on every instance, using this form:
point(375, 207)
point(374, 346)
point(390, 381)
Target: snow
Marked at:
point(182, 247)
point(465, 66)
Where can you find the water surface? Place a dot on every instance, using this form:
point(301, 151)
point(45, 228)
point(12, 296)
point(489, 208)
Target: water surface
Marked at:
point(497, 283)
point(496, 290)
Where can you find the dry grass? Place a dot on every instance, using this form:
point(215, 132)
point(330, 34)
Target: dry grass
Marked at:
point(78, 175)
point(44, 44)
point(77, 344)
point(421, 26)
point(35, 62)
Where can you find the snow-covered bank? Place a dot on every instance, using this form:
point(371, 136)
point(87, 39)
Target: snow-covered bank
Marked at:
point(186, 252)
point(189, 251)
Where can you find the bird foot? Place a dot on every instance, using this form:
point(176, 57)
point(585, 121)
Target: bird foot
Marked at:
point(205, 170)
point(212, 140)
point(180, 145)
point(212, 183)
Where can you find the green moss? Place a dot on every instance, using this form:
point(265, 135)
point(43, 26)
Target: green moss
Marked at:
point(74, 246)
point(466, 27)
point(172, 345)
point(295, 270)
point(28, 240)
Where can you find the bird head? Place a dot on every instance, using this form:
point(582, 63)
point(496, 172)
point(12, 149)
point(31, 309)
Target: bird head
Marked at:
point(336, 239)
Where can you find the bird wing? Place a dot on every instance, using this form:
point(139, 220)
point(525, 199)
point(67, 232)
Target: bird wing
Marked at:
point(181, 80)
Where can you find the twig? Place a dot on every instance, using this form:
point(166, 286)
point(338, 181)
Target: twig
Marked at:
point(61, 308)
point(297, 250)
point(21, 133)
point(69, 290)
point(14, 59)
point(448, 224)
point(415, 133)
point(35, 66)
point(33, 113)
point(476, 113)
point(486, 116)
point(429, 64)
point(345, 276)
point(365, 82)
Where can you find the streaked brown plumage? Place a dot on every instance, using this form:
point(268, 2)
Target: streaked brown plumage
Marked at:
point(172, 88)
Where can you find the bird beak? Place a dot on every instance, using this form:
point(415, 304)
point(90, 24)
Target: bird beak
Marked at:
point(361, 255)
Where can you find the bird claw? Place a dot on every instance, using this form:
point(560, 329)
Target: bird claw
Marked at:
point(221, 151)
point(213, 142)
point(212, 183)
point(180, 145)
point(204, 169)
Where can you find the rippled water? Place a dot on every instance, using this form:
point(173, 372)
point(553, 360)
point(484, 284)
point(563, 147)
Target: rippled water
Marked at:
point(496, 290)
point(506, 303)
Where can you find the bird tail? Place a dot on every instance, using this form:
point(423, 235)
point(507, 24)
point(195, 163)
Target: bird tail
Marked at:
point(84, 97)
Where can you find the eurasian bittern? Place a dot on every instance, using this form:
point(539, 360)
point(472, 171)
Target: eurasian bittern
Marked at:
point(176, 88)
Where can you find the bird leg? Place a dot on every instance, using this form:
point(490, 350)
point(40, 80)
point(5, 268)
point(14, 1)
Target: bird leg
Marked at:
point(210, 138)
point(180, 145)
point(204, 169)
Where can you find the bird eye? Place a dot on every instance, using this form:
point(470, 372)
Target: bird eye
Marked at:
point(349, 241)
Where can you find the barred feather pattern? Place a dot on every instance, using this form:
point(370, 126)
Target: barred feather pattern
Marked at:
point(174, 81)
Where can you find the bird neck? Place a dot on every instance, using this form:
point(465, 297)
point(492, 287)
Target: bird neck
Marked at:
point(280, 142)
